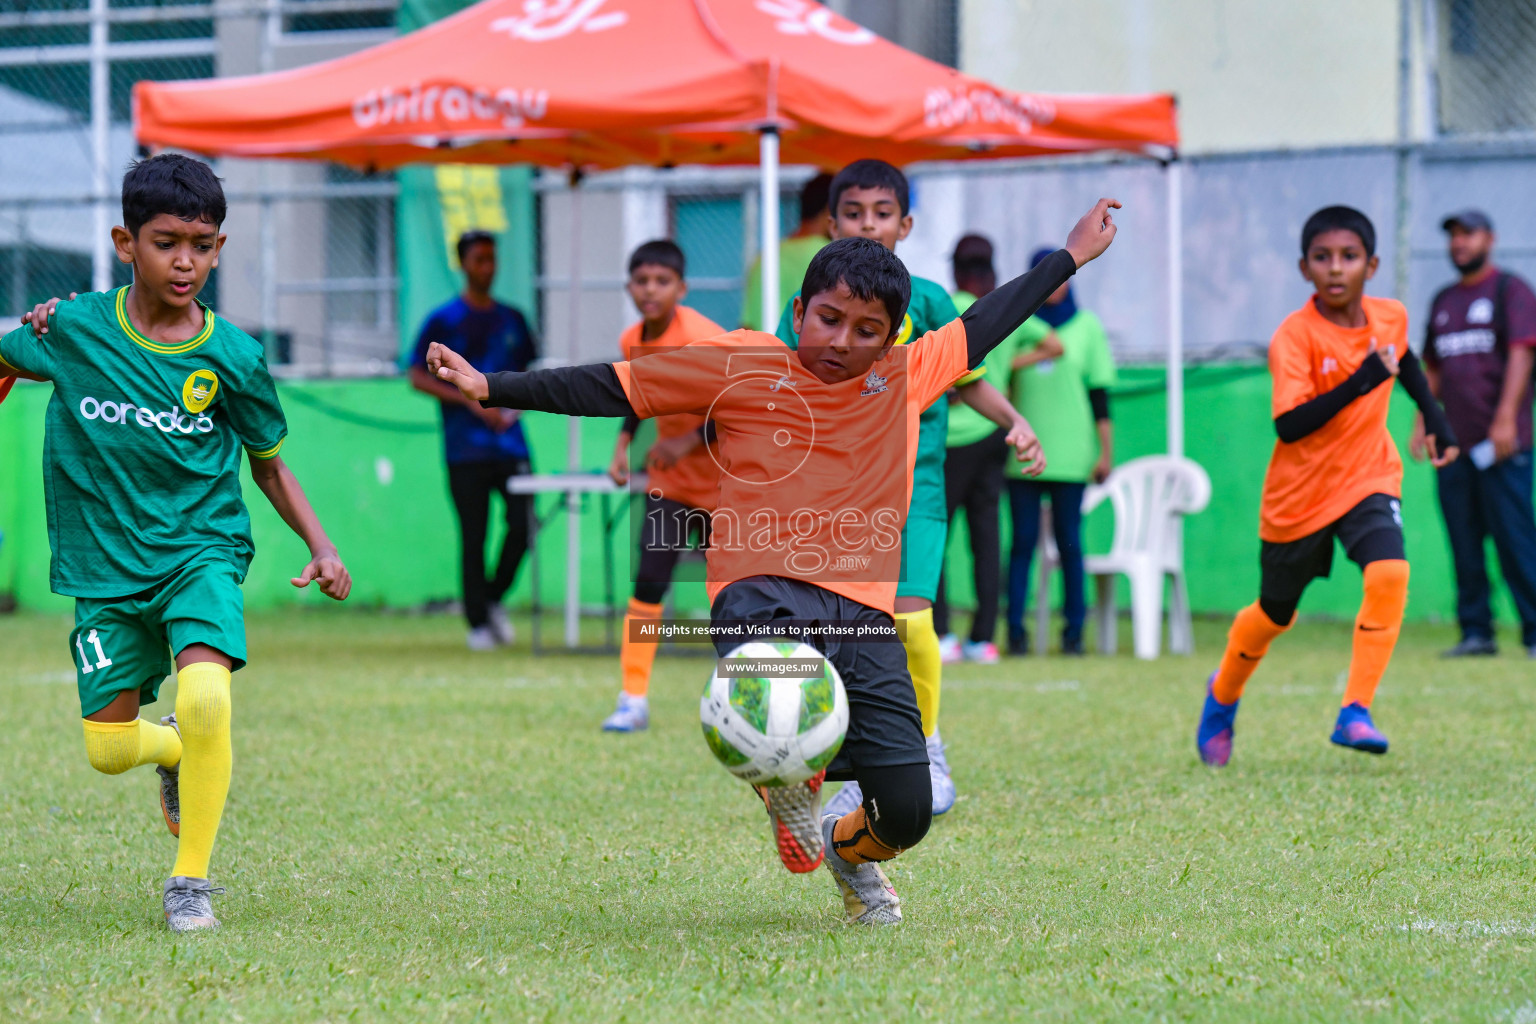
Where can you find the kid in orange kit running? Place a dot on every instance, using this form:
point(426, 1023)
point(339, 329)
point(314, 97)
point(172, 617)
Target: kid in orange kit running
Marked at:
point(1334, 474)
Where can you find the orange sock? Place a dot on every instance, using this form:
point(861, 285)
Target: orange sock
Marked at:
point(1376, 628)
point(1247, 642)
point(636, 657)
point(855, 843)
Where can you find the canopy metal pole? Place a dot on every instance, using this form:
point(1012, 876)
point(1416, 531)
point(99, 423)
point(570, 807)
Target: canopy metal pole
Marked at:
point(1174, 177)
point(573, 437)
point(101, 148)
point(768, 218)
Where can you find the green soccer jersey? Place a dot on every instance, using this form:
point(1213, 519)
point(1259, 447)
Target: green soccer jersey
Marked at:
point(930, 308)
point(1053, 395)
point(141, 456)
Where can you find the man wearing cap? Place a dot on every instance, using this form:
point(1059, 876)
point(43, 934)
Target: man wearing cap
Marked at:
point(1479, 350)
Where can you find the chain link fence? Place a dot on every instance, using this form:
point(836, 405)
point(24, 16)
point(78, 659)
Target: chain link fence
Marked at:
point(311, 265)
point(1483, 77)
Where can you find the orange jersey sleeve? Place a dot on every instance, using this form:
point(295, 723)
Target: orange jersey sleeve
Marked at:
point(685, 380)
point(936, 362)
point(1290, 364)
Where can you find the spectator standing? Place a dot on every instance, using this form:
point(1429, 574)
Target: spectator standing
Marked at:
point(1479, 350)
point(1061, 380)
point(484, 448)
point(795, 252)
point(973, 471)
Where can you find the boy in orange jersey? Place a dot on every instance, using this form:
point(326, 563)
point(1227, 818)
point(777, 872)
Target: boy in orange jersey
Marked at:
point(684, 479)
point(817, 446)
point(1334, 474)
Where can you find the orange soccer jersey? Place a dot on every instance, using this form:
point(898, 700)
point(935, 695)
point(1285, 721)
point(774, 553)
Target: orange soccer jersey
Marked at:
point(812, 487)
point(695, 478)
point(1314, 481)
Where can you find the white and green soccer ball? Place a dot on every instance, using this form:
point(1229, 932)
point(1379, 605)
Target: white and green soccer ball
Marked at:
point(771, 730)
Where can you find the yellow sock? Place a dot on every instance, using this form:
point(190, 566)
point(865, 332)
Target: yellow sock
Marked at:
point(114, 747)
point(925, 664)
point(637, 656)
point(203, 713)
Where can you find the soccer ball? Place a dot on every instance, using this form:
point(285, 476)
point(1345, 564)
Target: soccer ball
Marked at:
point(769, 730)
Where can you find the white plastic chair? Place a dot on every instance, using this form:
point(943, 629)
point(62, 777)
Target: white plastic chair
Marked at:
point(1150, 496)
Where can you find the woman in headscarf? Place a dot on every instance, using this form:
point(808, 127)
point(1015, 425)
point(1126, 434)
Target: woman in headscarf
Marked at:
point(1062, 374)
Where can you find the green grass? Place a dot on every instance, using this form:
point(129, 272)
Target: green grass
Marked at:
point(416, 833)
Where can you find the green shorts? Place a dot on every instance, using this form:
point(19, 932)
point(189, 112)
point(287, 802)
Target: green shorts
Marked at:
point(127, 643)
point(922, 557)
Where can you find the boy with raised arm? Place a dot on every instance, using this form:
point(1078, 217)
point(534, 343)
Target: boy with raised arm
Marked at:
point(812, 500)
point(154, 399)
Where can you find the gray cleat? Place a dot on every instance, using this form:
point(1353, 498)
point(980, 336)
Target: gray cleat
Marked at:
point(868, 896)
point(170, 787)
point(1473, 647)
point(189, 904)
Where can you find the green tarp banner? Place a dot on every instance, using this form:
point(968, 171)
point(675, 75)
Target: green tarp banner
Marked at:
point(440, 202)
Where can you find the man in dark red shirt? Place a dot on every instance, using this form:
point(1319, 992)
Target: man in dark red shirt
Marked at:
point(1479, 350)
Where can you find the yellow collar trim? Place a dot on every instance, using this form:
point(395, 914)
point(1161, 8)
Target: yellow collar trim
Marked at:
point(154, 346)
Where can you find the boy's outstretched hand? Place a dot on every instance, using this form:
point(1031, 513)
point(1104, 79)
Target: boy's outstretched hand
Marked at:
point(335, 582)
point(1437, 458)
point(446, 364)
point(1092, 235)
point(1026, 446)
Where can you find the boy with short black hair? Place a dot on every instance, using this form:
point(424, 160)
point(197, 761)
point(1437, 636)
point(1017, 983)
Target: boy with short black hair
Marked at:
point(872, 199)
point(812, 502)
point(1334, 474)
point(154, 398)
point(683, 481)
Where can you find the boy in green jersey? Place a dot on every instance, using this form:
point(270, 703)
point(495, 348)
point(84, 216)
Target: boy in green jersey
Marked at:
point(871, 199)
point(153, 399)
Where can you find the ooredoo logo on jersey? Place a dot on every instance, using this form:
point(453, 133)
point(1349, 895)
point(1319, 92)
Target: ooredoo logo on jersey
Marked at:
point(171, 421)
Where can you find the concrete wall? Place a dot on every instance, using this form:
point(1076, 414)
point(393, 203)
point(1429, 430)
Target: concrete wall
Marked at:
point(1249, 74)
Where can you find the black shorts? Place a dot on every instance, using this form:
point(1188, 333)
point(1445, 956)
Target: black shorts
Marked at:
point(884, 726)
point(1372, 531)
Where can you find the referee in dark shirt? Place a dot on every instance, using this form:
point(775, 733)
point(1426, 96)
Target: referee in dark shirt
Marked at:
point(485, 448)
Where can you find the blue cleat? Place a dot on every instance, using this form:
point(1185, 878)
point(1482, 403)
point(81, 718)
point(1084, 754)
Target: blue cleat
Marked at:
point(1355, 730)
point(1214, 738)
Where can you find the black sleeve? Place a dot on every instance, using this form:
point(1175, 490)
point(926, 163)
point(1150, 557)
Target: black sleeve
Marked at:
point(1098, 399)
point(590, 390)
point(1410, 373)
point(999, 313)
point(631, 424)
point(1311, 415)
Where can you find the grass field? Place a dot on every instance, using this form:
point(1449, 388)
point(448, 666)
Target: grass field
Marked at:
point(417, 833)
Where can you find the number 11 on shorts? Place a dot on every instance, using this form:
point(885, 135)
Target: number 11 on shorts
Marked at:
point(102, 661)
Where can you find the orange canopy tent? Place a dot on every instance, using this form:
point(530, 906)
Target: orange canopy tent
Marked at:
point(607, 83)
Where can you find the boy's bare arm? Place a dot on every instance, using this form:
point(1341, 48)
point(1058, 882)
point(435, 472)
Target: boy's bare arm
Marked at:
point(282, 489)
point(994, 405)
